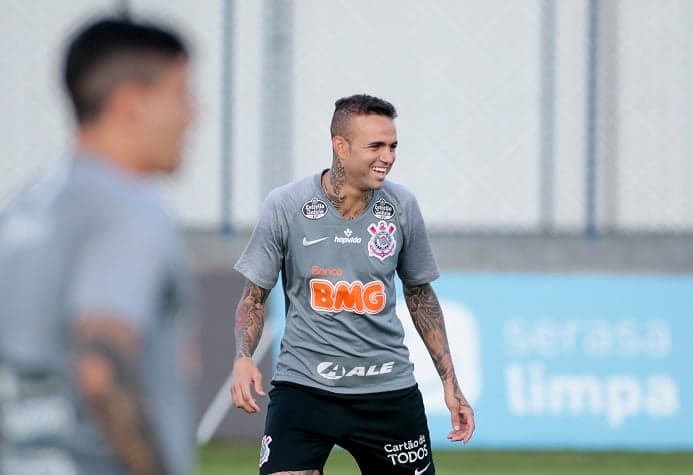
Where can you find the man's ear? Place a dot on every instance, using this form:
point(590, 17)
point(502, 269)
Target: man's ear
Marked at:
point(125, 102)
point(340, 147)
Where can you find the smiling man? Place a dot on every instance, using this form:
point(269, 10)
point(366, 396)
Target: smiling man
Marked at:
point(344, 375)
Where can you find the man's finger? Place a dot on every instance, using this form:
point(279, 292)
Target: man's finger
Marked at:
point(454, 435)
point(467, 417)
point(456, 422)
point(235, 396)
point(249, 399)
point(239, 398)
point(258, 385)
point(462, 424)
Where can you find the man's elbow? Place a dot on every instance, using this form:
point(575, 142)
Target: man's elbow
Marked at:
point(94, 376)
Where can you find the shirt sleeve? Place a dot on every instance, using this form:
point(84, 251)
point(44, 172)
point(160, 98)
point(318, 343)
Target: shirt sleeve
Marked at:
point(416, 264)
point(261, 260)
point(120, 272)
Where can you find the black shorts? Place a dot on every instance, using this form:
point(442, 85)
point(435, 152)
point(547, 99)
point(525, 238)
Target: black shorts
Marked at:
point(387, 433)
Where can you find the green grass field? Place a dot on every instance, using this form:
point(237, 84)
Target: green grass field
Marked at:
point(241, 459)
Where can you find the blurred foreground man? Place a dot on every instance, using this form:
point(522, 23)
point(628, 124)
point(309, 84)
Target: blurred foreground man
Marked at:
point(344, 376)
point(97, 349)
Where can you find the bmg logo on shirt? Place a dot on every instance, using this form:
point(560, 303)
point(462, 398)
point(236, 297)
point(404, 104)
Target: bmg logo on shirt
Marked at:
point(355, 297)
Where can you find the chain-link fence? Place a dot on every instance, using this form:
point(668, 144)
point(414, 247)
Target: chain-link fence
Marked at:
point(515, 115)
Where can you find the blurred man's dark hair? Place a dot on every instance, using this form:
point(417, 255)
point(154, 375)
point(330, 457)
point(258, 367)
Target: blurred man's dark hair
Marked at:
point(359, 104)
point(108, 51)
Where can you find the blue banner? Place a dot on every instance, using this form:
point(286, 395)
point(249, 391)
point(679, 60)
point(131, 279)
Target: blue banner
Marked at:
point(566, 361)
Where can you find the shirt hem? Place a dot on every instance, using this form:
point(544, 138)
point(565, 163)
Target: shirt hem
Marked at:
point(424, 280)
point(254, 278)
point(380, 388)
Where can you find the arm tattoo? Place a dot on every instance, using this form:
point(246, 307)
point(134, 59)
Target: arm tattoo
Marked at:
point(427, 316)
point(116, 406)
point(250, 319)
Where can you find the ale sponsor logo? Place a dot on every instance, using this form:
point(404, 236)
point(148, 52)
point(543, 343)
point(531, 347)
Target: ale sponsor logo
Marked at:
point(333, 371)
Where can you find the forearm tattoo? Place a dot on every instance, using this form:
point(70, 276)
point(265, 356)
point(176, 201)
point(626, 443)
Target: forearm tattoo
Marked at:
point(250, 319)
point(428, 319)
point(118, 409)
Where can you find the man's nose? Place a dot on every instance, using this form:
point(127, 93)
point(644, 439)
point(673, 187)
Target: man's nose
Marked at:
point(388, 156)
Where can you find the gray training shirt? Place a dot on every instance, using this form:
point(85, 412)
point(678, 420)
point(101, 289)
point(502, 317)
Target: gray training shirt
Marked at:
point(342, 333)
point(90, 241)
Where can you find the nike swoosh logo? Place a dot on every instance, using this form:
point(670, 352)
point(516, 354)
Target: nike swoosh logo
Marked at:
point(419, 472)
point(307, 243)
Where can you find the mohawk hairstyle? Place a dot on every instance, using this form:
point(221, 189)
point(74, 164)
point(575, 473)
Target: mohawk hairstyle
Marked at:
point(359, 104)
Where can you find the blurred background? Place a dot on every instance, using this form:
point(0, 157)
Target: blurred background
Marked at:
point(548, 144)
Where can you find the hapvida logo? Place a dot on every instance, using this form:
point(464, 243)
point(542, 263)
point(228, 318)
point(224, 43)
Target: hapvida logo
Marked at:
point(348, 239)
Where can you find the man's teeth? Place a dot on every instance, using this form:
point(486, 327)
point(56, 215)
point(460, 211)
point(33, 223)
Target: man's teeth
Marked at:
point(380, 169)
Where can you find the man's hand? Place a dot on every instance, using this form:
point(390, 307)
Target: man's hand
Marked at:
point(461, 413)
point(428, 320)
point(245, 376)
point(250, 319)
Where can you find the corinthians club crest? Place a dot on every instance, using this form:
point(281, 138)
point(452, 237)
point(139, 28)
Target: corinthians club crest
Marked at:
point(382, 243)
point(265, 449)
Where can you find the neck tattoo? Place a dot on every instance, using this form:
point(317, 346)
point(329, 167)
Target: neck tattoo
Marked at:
point(333, 190)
